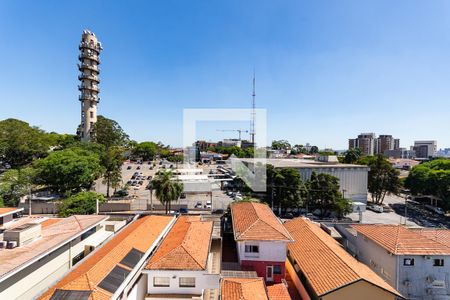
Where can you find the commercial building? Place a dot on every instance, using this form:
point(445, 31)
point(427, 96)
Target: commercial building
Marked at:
point(425, 149)
point(90, 49)
point(352, 178)
point(261, 240)
point(400, 153)
point(38, 251)
point(321, 269)
point(187, 264)
point(413, 261)
point(386, 142)
point(114, 271)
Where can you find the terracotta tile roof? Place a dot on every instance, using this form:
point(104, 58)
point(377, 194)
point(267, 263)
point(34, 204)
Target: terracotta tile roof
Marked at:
point(9, 210)
point(256, 221)
point(186, 246)
point(243, 289)
point(278, 292)
point(49, 222)
point(325, 264)
point(52, 237)
point(441, 236)
point(400, 240)
point(88, 274)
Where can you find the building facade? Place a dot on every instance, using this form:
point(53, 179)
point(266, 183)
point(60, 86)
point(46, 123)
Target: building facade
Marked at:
point(90, 49)
point(261, 240)
point(425, 149)
point(44, 250)
point(413, 261)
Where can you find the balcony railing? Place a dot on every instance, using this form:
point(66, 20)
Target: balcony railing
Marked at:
point(88, 76)
point(89, 67)
point(87, 56)
point(88, 87)
point(97, 47)
point(88, 97)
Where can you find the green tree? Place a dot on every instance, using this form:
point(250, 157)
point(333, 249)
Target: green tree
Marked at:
point(352, 155)
point(83, 203)
point(112, 160)
point(280, 145)
point(14, 184)
point(324, 195)
point(146, 150)
point(382, 179)
point(109, 133)
point(20, 143)
point(431, 178)
point(69, 170)
point(166, 189)
point(285, 187)
point(314, 150)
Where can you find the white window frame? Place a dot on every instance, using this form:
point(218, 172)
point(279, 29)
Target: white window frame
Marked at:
point(249, 250)
point(164, 278)
point(187, 284)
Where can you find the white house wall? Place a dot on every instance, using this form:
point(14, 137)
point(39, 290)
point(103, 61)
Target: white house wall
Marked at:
point(203, 280)
point(268, 251)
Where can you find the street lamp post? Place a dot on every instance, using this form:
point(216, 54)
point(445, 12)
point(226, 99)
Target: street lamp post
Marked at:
point(406, 193)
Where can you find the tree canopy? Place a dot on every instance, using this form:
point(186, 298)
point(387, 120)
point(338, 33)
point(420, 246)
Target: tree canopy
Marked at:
point(352, 155)
point(382, 178)
point(280, 145)
point(83, 203)
point(431, 178)
point(166, 189)
point(20, 143)
point(14, 184)
point(325, 196)
point(68, 170)
point(146, 150)
point(109, 133)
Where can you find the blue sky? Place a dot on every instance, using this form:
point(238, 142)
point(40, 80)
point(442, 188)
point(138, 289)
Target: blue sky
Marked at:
point(326, 70)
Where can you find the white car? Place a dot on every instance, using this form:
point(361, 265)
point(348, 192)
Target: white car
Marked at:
point(208, 204)
point(136, 187)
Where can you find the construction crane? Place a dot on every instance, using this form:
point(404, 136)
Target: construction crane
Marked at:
point(240, 131)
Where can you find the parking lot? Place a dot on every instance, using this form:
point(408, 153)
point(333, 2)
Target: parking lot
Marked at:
point(140, 196)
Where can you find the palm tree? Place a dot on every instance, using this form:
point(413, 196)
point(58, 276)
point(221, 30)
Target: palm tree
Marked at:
point(166, 189)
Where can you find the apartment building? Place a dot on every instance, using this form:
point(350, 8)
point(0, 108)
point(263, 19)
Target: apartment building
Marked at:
point(321, 269)
point(114, 271)
point(187, 263)
point(372, 145)
point(261, 240)
point(36, 251)
point(413, 261)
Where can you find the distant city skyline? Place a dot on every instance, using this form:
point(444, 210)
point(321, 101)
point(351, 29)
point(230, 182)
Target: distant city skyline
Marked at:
point(325, 73)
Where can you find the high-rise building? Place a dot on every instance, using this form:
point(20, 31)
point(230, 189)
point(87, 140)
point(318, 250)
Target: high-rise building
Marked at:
point(90, 49)
point(386, 143)
point(425, 149)
point(366, 142)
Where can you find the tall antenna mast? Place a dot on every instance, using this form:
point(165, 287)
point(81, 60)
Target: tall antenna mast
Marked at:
point(252, 124)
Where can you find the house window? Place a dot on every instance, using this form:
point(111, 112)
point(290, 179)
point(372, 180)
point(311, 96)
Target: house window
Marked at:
point(187, 281)
point(438, 262)
point(251, 249)
point(277, 270)
point(408, 261)
point(161, 281)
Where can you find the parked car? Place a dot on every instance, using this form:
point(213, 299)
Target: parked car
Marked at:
point(198, 204)
point(238, 198)
point(435, 209)
point(129, 182)
point(218, 212)
point(141, 182)
point(138, 167)
point(121, 193)
point(208, 204)
point(133, 183)
point(136, 187)
point(183, 196)
point(129, 168)
point(149, 177)
point(183, 210)
point(375, 208)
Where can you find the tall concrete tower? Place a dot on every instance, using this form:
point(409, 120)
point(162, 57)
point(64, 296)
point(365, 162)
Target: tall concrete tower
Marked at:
point(90, 49)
